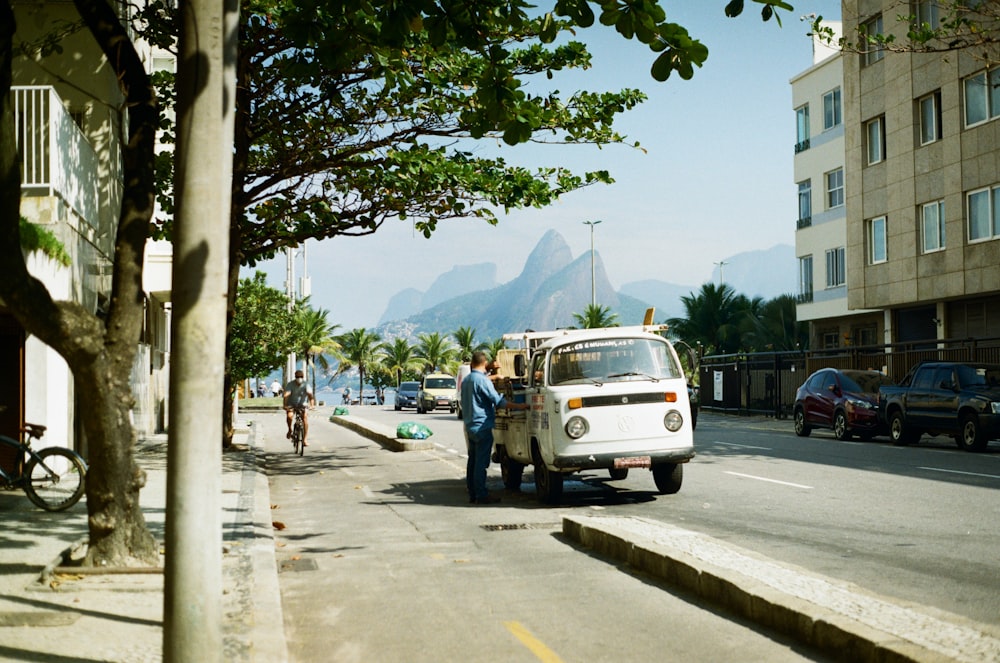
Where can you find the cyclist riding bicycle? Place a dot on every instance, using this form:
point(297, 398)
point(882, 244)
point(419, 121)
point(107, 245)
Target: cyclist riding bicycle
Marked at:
point(297, 395)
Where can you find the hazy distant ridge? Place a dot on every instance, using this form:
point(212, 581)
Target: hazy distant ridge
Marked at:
point(553, 286)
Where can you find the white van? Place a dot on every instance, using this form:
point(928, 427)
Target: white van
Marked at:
point(613, 398)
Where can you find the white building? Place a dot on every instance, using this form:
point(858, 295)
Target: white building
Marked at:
point(821, 228)
point(70, 124)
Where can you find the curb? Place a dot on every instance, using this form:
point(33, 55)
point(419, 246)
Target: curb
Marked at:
point(728, 579)
point(381, 434)
point(268, 630)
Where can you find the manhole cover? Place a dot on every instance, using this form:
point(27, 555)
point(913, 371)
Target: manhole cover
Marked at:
point(307, 564)
point(38, 618)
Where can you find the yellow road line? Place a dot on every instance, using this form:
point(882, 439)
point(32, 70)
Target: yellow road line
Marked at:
point(543, 653)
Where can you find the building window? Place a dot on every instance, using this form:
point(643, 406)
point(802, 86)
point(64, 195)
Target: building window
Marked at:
point(805, 203)
point(866, 336)
point(802, 128)
point(928, 14)
point(875, 137)
point(831, 109)
point(930, 118)
point(982, 97)
point(835, 188)
point(932, 226)
point(876, 240)
point(872, 28)
point(806, 278)
point(835, 268)
point(831, 340)
point(984, 214)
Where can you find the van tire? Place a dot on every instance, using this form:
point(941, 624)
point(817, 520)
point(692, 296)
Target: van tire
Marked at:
point(548, 484)
point(668, 477)
point(618, 474)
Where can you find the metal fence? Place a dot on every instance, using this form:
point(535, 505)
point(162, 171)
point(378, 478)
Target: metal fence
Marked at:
point(766, 382)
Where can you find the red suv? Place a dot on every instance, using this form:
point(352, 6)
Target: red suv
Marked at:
point(843, 400)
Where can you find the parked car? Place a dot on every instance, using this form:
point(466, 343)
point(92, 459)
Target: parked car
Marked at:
point(843, 400)
point(406, 395)
point(438, 390)
point(945, 398)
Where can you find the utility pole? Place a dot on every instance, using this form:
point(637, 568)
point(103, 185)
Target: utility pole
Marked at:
point(593, 280)
point(206, 86)
point(290, 293)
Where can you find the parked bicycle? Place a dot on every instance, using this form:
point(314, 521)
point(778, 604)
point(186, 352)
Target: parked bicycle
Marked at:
point(53, 478)
point(298, 432)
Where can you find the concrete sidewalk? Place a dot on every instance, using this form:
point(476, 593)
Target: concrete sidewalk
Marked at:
point(46, 615)
point(50, 614)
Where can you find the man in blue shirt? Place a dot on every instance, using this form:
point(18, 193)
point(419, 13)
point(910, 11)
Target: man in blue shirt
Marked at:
point(480, 400)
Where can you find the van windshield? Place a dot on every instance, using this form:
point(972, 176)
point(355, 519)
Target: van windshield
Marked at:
point(612, 360)
point(439, 383)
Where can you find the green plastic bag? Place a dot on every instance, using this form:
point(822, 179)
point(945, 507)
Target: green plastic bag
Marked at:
point(339, 411)
point(412, 430)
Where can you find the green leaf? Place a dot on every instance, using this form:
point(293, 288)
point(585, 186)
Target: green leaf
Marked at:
point(734, 8)
point(663, 66)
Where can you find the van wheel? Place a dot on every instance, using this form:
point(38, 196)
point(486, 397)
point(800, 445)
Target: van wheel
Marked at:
point(511, 470)
point(668, 477)
point(618, 474)
point(548, 484)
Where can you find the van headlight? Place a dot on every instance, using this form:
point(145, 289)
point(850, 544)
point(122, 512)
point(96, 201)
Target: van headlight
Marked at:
point(673, 421)
point(577, 427)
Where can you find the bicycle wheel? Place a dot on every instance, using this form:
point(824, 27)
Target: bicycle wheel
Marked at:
point(296, 436)
point(56, 479)
point(299, 435)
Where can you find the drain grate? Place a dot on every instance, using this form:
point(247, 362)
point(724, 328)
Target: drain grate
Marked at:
point(506, 527)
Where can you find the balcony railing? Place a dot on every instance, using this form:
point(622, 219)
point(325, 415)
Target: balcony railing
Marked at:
point(802, 146)
point(804, 222)
point(56, 159)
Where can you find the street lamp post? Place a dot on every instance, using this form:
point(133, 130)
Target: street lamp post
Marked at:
point(721, 264)
point(593, 280)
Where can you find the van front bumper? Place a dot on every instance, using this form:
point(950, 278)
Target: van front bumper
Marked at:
point(608, 460)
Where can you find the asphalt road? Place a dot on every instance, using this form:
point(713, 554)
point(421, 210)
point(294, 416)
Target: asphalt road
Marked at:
point(381, 558)
point(916, 523)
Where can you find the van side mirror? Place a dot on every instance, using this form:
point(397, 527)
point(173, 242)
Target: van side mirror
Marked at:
point(519, 366)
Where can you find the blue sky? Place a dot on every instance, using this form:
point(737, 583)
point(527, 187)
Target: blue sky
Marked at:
point(715, 180)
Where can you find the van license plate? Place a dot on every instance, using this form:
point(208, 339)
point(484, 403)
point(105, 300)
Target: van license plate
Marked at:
point(636, 461)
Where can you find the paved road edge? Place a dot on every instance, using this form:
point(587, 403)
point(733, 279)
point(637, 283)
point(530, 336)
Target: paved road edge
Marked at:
point(381, 434)
point(845, 638)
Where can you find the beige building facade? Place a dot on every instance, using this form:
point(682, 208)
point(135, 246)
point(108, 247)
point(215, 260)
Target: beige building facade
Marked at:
point(922, 180)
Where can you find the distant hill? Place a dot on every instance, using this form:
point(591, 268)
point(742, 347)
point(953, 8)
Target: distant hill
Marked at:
point(459, 280)
point(553, 286)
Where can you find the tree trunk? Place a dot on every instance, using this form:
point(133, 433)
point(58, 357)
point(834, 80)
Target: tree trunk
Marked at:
point(99, 353)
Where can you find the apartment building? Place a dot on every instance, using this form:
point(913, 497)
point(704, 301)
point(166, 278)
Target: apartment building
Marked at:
point(916, 217)
point(923, 175)
point(69, 116)
point(821, 226)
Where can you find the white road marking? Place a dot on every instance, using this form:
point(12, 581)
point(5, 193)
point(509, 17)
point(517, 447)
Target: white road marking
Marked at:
point(971, 474)
point(783, 483)
point(742, 446)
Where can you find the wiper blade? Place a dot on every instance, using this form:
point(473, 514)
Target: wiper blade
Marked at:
point(631, 374)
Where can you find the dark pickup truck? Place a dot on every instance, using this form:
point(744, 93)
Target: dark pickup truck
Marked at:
point(944, 398)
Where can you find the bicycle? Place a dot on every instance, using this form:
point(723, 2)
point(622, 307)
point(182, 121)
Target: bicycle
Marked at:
point(298, 432)
point(53, 478)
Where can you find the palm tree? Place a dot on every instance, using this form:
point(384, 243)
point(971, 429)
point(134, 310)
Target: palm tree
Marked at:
point(595, 316)
point(494, 347)
point(775, 327)
point(399, 357)
point(713, 318)
point(436, 351)
point(315, 338)
point(466, 339)
point(358, 349)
